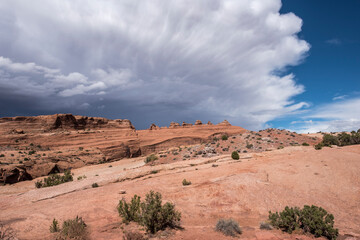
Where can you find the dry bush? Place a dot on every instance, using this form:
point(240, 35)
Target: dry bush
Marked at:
point(7, 233)
point(228, 227)
point(134, 236)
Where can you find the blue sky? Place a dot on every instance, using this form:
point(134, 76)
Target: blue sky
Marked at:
point(331, 71)
point(257, 63)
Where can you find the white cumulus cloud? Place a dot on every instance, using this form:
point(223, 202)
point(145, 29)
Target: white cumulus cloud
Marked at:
point(208, 58)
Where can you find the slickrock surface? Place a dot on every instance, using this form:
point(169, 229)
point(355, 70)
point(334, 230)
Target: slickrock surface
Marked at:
point(244, 190)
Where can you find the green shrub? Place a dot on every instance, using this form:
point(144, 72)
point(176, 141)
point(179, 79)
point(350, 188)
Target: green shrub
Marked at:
point(224, 137)
point(305, 144)
point(314, 220)
point(54, 227)
point(318, 146)
point(54, 179)
point(235, 155)
point(94, 185)
point(157, 217)
point(2, 155)
point(228, 227)
point(151, 158)
point(329, 140)
point(73, 229)
point(185, 182)
point(151, 213)
point(249, 146)
point(130, 212)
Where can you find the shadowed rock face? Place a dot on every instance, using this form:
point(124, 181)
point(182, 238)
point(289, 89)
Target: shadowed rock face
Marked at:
point(14, 174)
point(64, 141)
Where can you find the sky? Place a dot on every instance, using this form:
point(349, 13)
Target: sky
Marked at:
point(257, 63)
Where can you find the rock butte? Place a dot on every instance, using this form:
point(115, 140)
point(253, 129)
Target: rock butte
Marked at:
point(105, 140)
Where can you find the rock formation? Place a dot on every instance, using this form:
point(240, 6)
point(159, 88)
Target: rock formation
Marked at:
point(224, 123)
point(174, 125)
point(184, 124)
point(210, 123)
point(154, 127)
point(198, 122)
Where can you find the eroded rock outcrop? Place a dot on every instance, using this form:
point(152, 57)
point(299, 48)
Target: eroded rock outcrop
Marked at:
point(184, 124)
point(154, 127)
point(174, 125)
point(224, 123)
point(14, 174)
point(198, 122)
point(47, 123)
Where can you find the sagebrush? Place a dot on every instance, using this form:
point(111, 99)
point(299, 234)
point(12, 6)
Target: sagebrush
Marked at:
point(228, 227)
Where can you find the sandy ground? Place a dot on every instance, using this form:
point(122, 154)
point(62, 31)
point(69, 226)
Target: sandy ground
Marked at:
point(244, 190)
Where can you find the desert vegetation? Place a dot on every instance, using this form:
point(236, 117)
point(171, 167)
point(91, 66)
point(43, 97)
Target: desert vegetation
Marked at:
point(71, 229)
point(341, 139)
point(151, 158)
point(235, 155)
point(151, 213)
point(54, 179)
point(186, 182)
point(7, 233)
point(310, 219)
point(228, 227)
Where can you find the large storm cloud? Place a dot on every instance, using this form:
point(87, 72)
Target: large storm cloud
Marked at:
point(150, 61)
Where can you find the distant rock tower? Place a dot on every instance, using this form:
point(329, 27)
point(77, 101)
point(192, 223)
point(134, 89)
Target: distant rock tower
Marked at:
point(174, 125)
point(224, 123)
point(184, 124)
point(198, 122)
point(209, 123)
